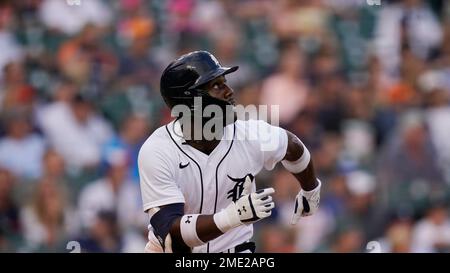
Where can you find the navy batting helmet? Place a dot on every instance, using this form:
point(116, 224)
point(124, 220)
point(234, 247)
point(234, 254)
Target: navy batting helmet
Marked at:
point(182, 79)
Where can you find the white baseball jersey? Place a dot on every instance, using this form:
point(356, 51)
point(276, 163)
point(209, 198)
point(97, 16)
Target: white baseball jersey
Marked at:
point(174, 172)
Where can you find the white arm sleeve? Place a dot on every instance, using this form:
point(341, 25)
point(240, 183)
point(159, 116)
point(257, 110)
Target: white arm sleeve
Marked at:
point(273, 142)
point(158, 186)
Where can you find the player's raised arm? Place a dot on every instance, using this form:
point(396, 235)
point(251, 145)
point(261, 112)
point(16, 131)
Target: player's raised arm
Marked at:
point(174, 231)
point(298, 161)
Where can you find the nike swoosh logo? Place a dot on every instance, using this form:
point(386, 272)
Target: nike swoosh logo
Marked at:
point(183, 166)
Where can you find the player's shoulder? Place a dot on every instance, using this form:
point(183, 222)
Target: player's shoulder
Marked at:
point(158, 143)
point(95, 190)
point(252, 122)
point(253, 127)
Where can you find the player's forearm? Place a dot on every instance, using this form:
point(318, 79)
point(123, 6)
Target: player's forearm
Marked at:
point(206, 228)
point(196, 229)
point(298, 161)
point(307, 178)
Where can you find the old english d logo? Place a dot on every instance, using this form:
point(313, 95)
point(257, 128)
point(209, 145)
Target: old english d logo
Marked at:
point(236, 191)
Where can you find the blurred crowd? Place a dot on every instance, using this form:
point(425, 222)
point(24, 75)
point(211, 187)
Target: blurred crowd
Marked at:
point(366, 88)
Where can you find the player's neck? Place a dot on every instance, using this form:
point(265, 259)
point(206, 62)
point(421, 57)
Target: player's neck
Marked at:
point(204, 146)
point(195, 137)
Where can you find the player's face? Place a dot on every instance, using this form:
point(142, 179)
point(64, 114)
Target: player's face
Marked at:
point(218, 88)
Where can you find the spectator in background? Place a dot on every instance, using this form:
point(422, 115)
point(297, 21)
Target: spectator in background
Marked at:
point(21, 150)
point(409, 161)
point(70, 20)
point(286, 188)
point(308, 233)
point(398, 235)
point(103, 234)
point(351, 240)
point(358, 142)
point(10, 226)
point(180, 19)
point(114, 193)
point(327, 154)
point(131, 136)
point(75, 131)
point(87, 61)
point(208, 13)
point(137, 68)
point(15, 92)
point(64, 91)
point(411, 23)
point(135, 24)
point(432, 234)
point(138, 71)
point(335, 201)
point(348, 205)
point(402, 94)
point(352, 23)
point(54, 168)
point(346, 239)
point(249, 94)
point(409, 155)
point(330, 87)
point(137, 82)
point(227, 43)
point(313, 231)
point(306, 128)
point(287, 87)
point(436, 98)
point(361, 205)
point(306, 20)
point(48, 221)
point(276, 239)
point(11, 50)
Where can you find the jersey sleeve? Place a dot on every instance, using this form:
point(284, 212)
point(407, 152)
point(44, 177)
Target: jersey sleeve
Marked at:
point(156, 174)
point(273, 142)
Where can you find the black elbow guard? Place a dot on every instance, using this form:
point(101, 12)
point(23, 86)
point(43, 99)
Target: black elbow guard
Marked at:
point(162, 220)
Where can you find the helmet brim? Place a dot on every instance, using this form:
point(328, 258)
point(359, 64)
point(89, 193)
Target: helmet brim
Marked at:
point(229, 70)
point(214, 74)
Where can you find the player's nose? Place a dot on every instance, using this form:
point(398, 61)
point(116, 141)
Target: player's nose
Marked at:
point(229, 93)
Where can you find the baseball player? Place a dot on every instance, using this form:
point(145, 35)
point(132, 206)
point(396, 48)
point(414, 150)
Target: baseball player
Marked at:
point(200, 193)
